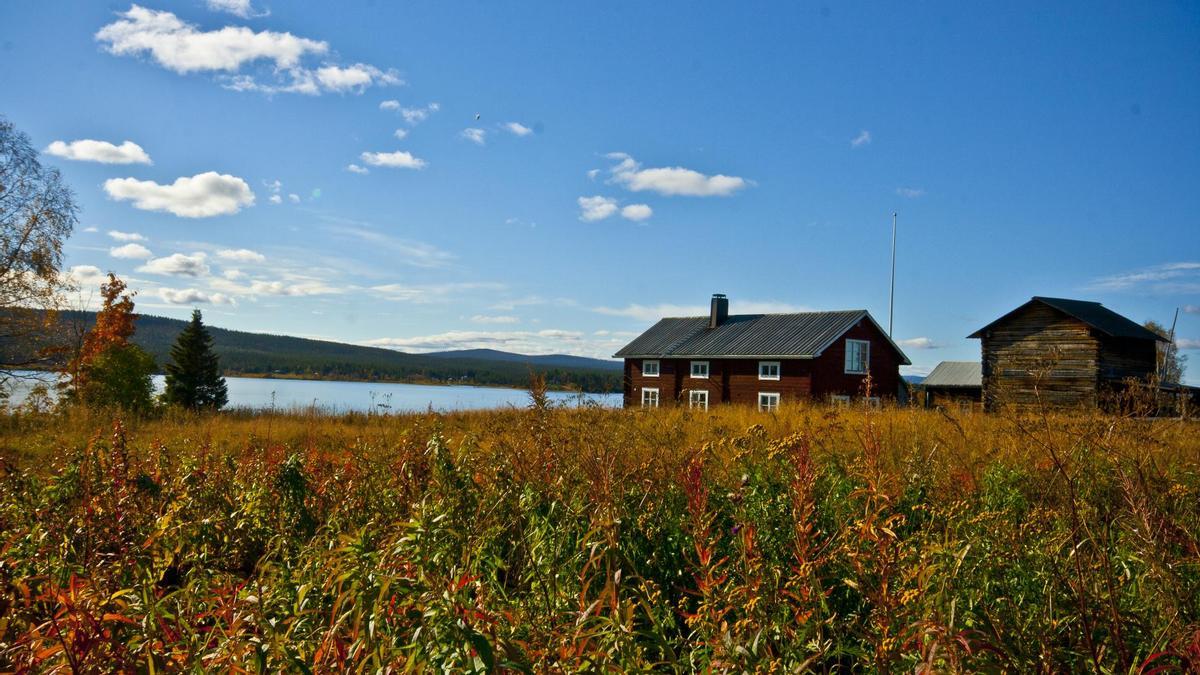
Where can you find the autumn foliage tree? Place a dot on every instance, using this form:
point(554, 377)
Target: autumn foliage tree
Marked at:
point(109, 370)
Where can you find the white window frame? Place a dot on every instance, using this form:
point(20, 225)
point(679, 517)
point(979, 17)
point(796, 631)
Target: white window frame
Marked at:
point(866, 361)
point(657, 368)
point(698, 398)
point(873, 402)
point(692, 370)
point(650, 390)
point(767, 364)
point(769, 407)
point(839, 399)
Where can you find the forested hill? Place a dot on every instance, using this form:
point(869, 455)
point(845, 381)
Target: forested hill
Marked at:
point(260, 354)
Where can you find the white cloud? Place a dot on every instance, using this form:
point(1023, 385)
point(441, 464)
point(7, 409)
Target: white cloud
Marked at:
point(275, 199)
point(242, 255)
point(240, 8)
point(398, 159)
point(478, 136)
point(180, 47)
point(1187, 343)
point(656, 312)
point(91, 228)
point(125, 236)
point(183, 48)
point(192, 296)
point(517, 129)
point(671, 181)
point(637, 212)
point(522, 342)
point(200, 196)
point(133, 251)
point(918, 343)
point(596, 208)
point(592, 173)
point(1191, 309)
point(86, 275)
point(400, 134)
point(1176, 277)
point(291, 286)
point(294, 198)
point(423, 294)
point(483, 318)
point(863, 138)
point(413, 116)
point(354, 168)
point(87, 150)
point(178, 264)
point(909, 192)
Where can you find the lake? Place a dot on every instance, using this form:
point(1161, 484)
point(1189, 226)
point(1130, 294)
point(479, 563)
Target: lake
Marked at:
point(341, 397)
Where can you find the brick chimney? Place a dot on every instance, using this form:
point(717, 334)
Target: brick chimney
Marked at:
point(719, 310)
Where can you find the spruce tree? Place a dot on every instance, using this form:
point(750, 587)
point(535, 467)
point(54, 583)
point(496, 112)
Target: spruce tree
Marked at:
point(194, 376)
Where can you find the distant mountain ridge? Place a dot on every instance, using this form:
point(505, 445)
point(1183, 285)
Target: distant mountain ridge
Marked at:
point(260, 354)
point(548, 360)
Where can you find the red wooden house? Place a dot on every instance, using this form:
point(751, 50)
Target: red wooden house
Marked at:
point(760, 359)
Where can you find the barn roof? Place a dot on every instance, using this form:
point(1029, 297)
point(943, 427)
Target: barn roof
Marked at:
point(955, 374)
point(799, 336)
point(1093, 314)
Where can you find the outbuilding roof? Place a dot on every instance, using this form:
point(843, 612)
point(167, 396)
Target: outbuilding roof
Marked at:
point(1093, 314)
point(803, 335)
point(955, 374)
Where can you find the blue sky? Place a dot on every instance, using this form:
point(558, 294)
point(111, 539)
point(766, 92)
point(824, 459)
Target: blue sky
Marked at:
point(294, 168)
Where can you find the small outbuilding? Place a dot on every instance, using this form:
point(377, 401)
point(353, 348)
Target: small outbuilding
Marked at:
point(954, 384)
point(1063, 353)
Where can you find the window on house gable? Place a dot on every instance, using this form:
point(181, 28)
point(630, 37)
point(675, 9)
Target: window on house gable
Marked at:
point(858, 356)
point(700, 369)
point(650, 368)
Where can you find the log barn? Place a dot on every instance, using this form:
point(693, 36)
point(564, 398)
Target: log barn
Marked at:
point(760, 359)
point(1063, 353)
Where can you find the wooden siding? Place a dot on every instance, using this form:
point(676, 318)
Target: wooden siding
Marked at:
point(1122, 358)
point(736, 380)
point(1040, 354)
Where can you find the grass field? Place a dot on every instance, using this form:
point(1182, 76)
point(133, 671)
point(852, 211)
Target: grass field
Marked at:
point(580, 540)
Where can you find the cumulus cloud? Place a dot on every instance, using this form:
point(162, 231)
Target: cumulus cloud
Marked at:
point(671, 181)
point(86, 275)
point(275, 199)
point(400, 134)
point(596, 208)
point(183, 48)
point(636, 212)
point(240, 8)
point(294, 198)
point(125, 236)
point(1187, 343)
point(131, 251)
point(91, 228)
point(354, 168)
point(863, 138)
point(910, 192)
point(178, 264)
point(290, 286)
point(477, 136)
point(200, 196)
point(1191, 309)
point(192, 296)
point(517, 129)
point(656, 312)
point(87, 150)
point(241, 255)
point(918, 343)
point(398, 159)
point(413, 116)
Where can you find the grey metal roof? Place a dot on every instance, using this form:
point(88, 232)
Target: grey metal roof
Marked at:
point(955, 374)
point(1093, 314)
point(801, 335)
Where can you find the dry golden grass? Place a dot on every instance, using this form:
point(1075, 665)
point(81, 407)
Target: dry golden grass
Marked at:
point(578, 540)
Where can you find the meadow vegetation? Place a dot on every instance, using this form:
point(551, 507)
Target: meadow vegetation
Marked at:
point(555, 539)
